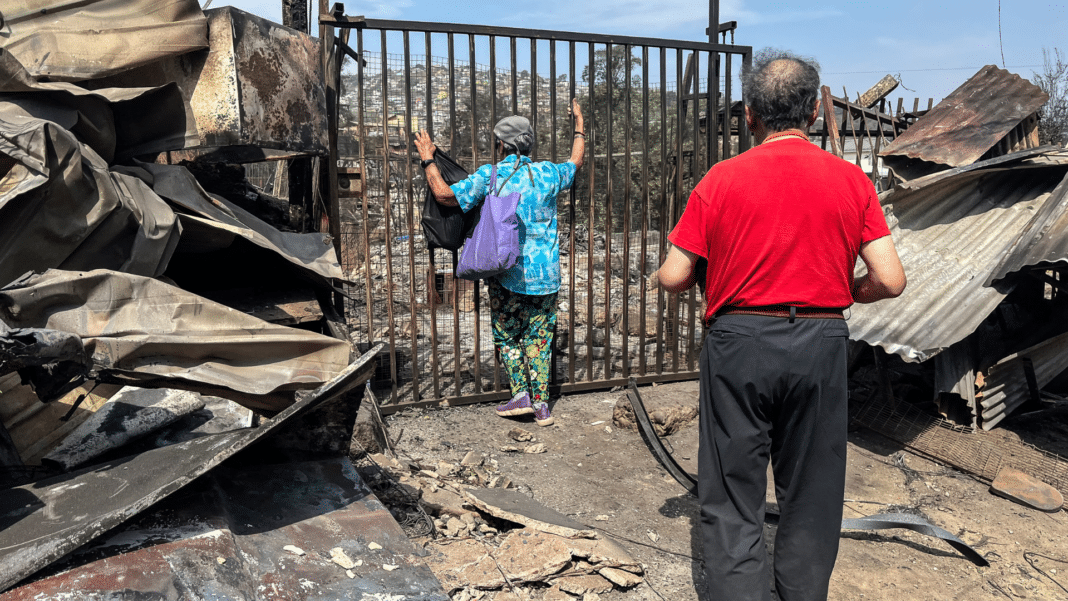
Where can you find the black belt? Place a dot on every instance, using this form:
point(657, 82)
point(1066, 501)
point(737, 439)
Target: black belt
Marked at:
point(784, 311)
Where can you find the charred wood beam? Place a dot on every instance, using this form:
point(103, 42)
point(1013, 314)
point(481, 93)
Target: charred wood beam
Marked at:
point(295, 14)
point(878, 92)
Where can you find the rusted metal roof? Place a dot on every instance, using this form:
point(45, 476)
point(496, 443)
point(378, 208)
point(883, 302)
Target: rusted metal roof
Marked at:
point(971, 120)
point(43, 521)
point(952, 230)
point(230, 535)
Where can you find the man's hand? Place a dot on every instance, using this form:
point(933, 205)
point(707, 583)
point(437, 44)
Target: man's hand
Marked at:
point(424, 145)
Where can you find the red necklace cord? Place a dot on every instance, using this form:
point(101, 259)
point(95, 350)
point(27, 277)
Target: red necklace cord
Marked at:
point(796, 133)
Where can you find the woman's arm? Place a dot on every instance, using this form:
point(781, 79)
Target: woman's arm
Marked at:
point(442, 192)
point(578, 147)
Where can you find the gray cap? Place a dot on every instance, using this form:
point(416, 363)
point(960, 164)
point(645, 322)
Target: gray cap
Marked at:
point(515, 131)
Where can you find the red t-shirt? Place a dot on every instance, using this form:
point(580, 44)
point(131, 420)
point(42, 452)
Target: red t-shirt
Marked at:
point(780, 224)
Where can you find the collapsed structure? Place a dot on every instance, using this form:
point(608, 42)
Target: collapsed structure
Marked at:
point(157, 320)
point(159, 314)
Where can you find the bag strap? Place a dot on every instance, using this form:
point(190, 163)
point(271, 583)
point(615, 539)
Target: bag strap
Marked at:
point(493, 177)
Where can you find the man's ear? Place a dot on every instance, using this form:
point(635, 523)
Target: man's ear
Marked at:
point(815, 113)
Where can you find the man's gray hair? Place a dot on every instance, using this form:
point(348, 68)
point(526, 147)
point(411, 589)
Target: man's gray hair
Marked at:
point(782, 94)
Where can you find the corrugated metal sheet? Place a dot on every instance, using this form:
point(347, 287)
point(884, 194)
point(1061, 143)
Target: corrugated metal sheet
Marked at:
point(226, 537)
point(1006, 383)
point(971, 120)
point(1043, 242)
point(952, 230)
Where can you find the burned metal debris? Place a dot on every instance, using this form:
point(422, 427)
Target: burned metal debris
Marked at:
point(62, 41)
point(43, 521)
point(975, 118)
point(129, 366)
point(977, 217)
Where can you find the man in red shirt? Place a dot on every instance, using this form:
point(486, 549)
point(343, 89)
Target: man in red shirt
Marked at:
point(781, 226)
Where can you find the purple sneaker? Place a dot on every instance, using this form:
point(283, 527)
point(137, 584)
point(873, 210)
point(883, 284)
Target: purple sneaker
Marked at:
point(519, 405)
point(542, 417)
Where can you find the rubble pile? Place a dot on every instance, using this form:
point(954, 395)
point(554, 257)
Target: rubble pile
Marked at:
point(492, 541)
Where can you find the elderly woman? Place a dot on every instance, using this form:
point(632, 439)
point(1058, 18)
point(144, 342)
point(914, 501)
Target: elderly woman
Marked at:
point(523, 298)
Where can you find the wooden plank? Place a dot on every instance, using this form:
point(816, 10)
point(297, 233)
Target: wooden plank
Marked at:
point(878, 92)
point(831, 122)
point(35, 427)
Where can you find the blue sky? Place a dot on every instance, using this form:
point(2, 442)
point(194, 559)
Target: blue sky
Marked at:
point(933, 45)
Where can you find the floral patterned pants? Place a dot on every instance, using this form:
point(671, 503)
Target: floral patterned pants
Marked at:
point(523, 333)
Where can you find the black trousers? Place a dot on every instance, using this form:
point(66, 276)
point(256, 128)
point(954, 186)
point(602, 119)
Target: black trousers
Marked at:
point(772, 389)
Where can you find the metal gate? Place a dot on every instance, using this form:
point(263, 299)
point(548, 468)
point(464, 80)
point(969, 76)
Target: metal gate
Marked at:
point(658, 112)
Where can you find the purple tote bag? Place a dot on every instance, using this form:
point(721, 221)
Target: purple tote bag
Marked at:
point(493, 247)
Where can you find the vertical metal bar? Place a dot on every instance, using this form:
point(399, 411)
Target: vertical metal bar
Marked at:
point(552, 101)
point(455, 281)
point(642, 296)
point(553, 355)
point(665, 215)
point(452, 96)
point(712, 112)
point(515, 78)
point(744, 138)
point(493, 158)
point(431, 284)
point(691, 294)
point(713, 21)
point(680, 105)
point(472, 66)
point(493, 93)
point(591, 139)
point(369, 300)
point(534, 95)
point(413, 328)
point(609, 202)
point(727, 100)
point(571, 234)
point(625, 317)
point(387, 217)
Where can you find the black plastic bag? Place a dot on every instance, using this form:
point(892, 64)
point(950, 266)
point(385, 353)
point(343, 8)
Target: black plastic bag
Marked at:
point(447, 227)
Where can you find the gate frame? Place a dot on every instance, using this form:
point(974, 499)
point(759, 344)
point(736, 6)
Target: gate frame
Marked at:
point(332, 19)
